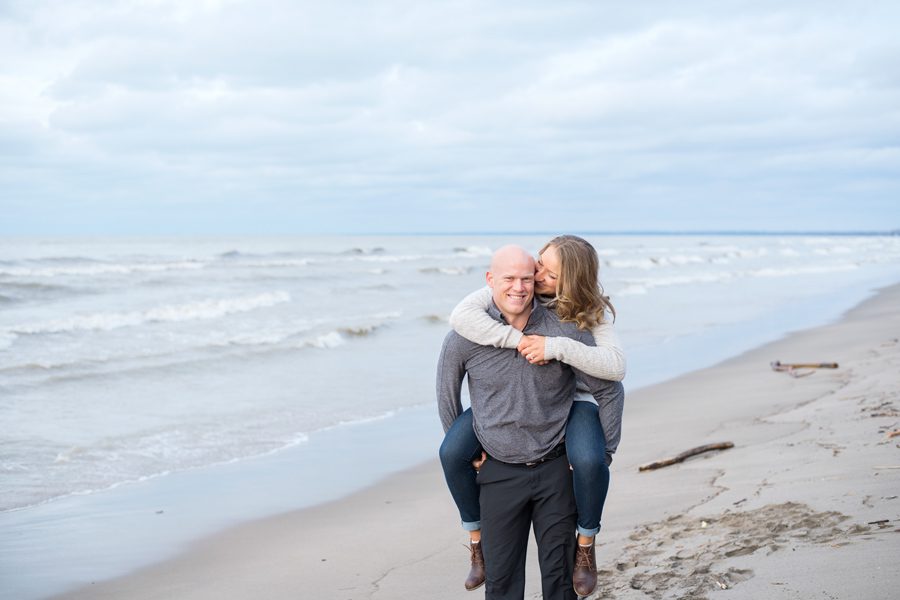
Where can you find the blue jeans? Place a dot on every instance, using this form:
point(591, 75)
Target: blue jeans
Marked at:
point(586, 450)
point(459, 448)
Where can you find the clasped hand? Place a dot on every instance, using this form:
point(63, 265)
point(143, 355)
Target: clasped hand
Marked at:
point(532, 348)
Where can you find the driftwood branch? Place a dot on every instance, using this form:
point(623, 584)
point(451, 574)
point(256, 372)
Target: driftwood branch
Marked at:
point(797, 369)
point(686, 454)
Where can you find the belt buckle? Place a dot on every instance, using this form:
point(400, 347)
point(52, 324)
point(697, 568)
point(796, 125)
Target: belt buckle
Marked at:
point(549, 456)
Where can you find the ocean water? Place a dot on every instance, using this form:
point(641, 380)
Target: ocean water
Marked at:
point(125, 362)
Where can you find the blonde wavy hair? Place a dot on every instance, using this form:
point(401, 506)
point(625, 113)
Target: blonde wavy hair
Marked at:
point(579, 295)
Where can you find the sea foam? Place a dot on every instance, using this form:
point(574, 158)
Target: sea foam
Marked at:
point(212, 308)
point(100, 269)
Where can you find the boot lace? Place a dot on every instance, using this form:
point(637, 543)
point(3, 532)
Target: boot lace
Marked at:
point(477, 555)
point(583, 557)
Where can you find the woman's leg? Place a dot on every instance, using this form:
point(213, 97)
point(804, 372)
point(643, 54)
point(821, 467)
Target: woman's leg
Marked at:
point(459, 448)
point(586, 450)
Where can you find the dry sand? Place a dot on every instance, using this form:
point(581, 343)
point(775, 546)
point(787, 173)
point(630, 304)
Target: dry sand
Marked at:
point(804, 506)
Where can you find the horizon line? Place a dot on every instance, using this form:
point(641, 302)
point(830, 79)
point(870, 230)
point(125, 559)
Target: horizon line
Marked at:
point(626, 232)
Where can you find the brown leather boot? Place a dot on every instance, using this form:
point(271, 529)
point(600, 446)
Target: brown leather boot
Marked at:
point(584, 577)
point(476, 574)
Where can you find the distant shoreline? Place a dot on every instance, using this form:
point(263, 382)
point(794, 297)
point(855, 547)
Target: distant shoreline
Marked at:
point(550, 233)
point(636, 232)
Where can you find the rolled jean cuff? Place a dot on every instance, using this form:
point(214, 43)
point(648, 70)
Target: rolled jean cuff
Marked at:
point(471, 525)
point(587, 532)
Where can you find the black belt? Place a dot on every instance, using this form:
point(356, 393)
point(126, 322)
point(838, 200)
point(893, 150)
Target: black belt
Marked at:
point(558, 451)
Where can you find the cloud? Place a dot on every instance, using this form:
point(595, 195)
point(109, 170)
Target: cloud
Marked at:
point(314, 109)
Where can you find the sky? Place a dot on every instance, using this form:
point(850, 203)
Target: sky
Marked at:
point(144, 117)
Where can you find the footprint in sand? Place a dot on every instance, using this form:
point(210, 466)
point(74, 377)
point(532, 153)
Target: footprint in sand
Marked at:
point(681, 556)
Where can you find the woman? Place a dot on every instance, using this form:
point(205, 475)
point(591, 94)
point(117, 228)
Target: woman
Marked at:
point(566, 281)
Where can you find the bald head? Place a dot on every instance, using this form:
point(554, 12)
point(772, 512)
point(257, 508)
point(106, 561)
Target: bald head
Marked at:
point(511, 280)
point(510, 254)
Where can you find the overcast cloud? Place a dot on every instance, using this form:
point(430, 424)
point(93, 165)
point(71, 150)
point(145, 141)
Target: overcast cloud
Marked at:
point(221, 116)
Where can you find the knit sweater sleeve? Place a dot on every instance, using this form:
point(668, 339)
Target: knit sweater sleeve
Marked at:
point(470, 320)
point(606, 360)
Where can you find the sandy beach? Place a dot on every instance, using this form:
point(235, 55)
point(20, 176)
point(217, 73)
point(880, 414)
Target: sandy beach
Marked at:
point(805, 505)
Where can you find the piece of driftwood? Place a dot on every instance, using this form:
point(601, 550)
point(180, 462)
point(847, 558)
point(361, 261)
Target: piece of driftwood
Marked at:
point(686, 454)
point(800, 369)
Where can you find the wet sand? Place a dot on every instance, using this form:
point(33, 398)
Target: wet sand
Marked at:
point(804, 506)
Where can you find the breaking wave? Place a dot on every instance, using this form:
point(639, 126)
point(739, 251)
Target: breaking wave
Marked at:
point(202, 309)
point(100, 269)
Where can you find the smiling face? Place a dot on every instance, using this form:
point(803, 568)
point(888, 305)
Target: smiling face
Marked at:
point(511, 280)
point(549, 267)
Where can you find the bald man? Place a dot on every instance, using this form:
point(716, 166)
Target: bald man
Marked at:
point(519, 415)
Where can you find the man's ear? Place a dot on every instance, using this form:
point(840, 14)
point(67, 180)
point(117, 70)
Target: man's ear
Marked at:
point(490, 279)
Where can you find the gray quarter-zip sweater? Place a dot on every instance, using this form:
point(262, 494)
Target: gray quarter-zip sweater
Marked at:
point(520, 410)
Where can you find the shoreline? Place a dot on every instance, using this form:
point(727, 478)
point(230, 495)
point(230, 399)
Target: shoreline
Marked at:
point(804, 448)
point(77, 539)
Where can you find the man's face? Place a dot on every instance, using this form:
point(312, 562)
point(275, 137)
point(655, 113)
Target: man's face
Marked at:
point(512, 281)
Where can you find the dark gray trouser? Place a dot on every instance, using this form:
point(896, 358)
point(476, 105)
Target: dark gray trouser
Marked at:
point(512, 498)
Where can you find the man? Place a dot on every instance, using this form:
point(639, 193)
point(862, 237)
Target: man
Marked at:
point(519, 416)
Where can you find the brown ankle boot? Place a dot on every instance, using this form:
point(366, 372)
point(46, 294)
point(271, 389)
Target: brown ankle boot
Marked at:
point(584, 578)
point(476, 574)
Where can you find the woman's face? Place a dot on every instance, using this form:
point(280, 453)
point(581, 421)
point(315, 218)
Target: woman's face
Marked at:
point(547, 274)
